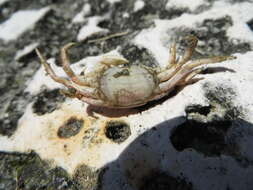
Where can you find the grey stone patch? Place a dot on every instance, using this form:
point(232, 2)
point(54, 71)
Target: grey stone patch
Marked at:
point(137, 55)
point(13, 107)
point(28, 171)
point(47, 101)
point(133, 24)
point(99, 7)
point(13, 99)
point(136, 20)
point(215, 40)
point(117, 131)
point(212, 38)
point(15, 74)
point(87, 178)
point(232, 1)
point(70, 128)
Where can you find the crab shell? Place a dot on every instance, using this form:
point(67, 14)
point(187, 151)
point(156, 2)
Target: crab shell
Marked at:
point(126, 86)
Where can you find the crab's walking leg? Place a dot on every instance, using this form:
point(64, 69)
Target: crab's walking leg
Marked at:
point(193, 41)
point(173, 56)
point(61, 80)
point(174, 67)
point(205, 61)
point(186, 73)
point(50, 71)
point(66, 66)
point(169, 71)
point(189, 78)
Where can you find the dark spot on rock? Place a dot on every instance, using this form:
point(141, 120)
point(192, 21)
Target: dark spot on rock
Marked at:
point(162, 181)
point(86, 177)
point(216, 40)
point(28, 171)
point(47, 101)
point(203, 110)
point(82, 73)
point(70, 128)
point(136, 55)
point(117, 131)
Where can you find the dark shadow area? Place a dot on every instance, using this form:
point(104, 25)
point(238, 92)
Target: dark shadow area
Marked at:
point(151, 162)
point(47, 101)
point(211, 70)
point(114, 112)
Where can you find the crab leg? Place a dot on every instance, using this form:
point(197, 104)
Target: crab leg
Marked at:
point(50, 71)
point(173, 66)
point(189, 78)
point(193, 41)
point(66, 66)
point(183, 75)
point(186, 73)
point(173, 56)
point(205, 61)
point(167, 87)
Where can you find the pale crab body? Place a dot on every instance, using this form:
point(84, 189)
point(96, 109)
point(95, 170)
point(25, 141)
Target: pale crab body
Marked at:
point(128, 86)
point(117, 83)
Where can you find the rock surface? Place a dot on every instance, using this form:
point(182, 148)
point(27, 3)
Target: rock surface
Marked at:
point(198, 137)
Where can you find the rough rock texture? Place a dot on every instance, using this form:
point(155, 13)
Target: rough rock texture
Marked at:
point(198, 137)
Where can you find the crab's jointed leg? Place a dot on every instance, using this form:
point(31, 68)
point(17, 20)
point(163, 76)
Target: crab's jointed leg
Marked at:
point(61, 80)
point(50, 71)
point(67, 68)
point(174, 66)
point(170, 69)
point(180, 74)
point(186, 73)
point(173, 56)
point(190, 77)
point(211, 60)
point(192, 41)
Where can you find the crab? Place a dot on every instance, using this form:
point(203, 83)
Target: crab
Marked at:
point(118, 84)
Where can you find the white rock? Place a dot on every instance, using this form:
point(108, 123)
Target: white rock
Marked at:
point(20, 22)
point(91, 28)
point(138, 5)
point(113, 1)
point(27, 49)
point(3, 1)
point(80, 17)
point(190, 4)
